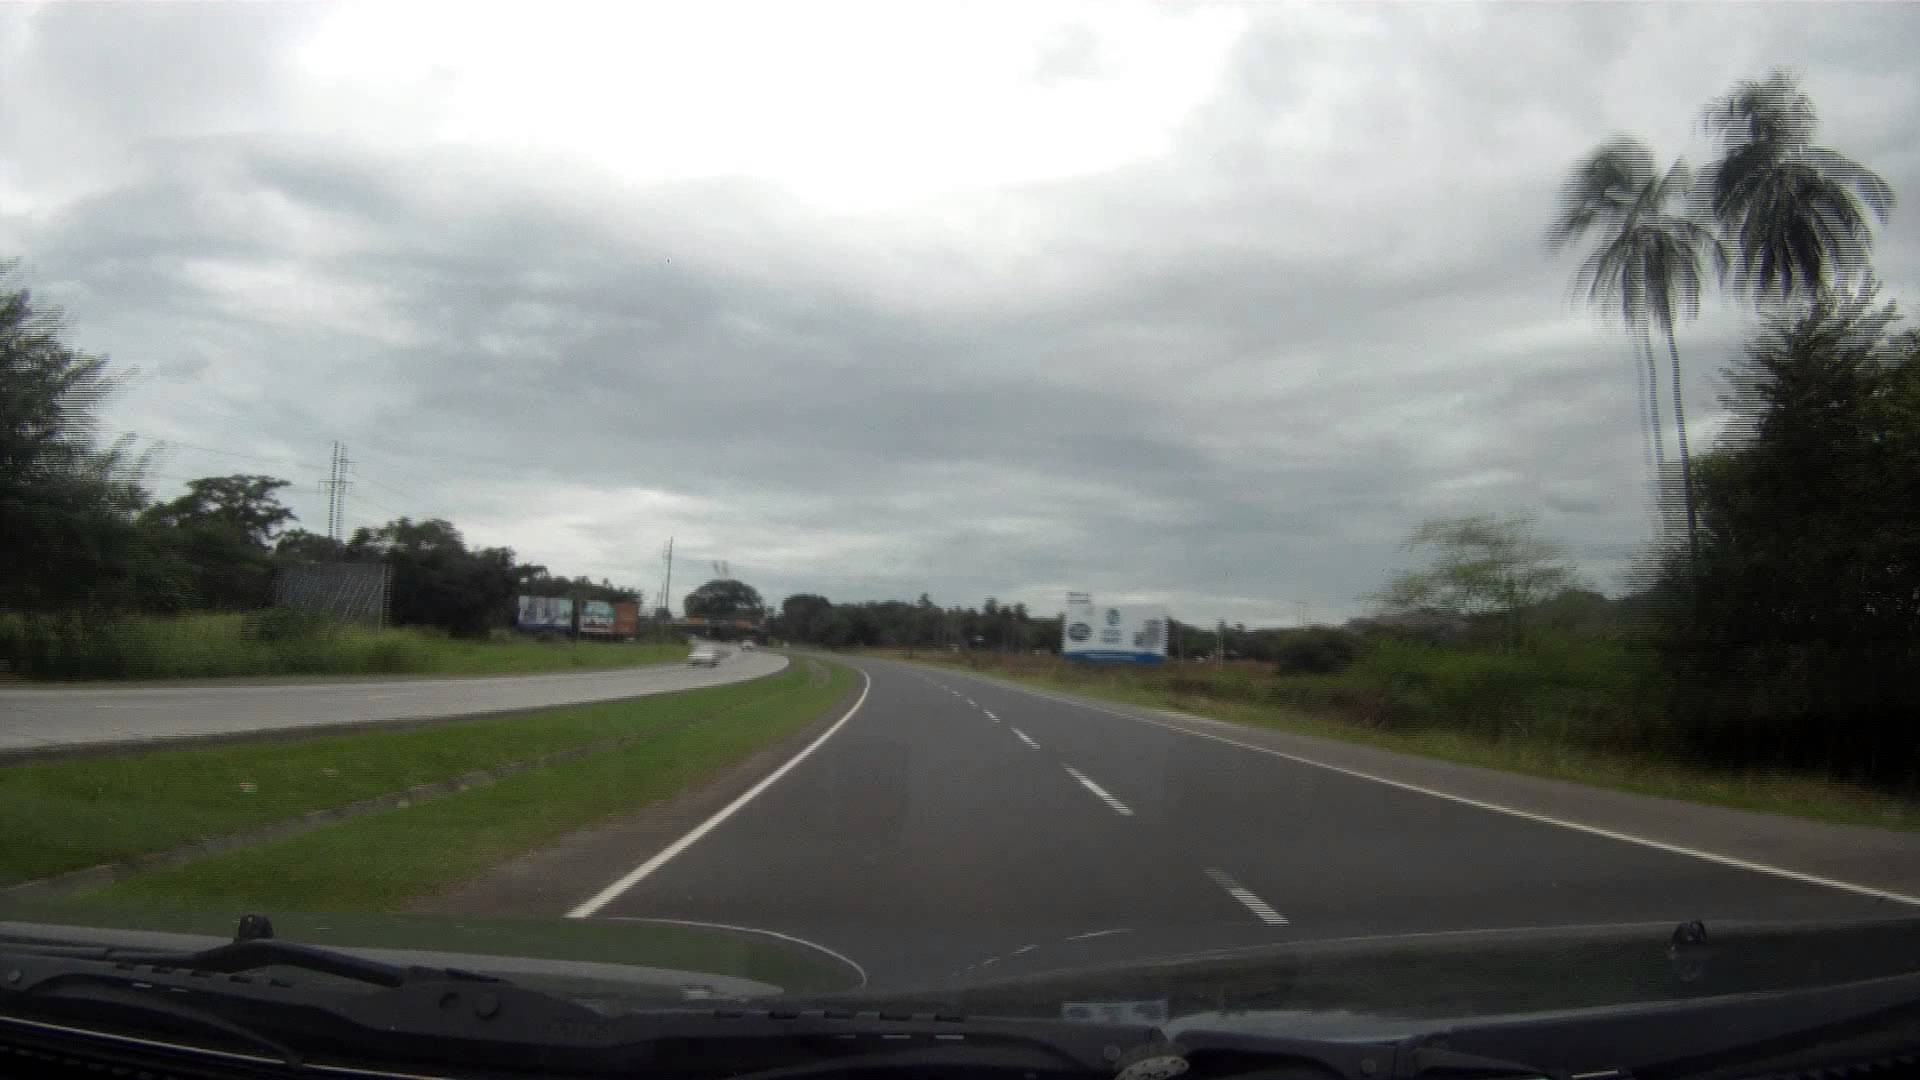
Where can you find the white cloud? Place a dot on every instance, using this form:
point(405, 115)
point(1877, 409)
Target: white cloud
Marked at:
point(1203, 303)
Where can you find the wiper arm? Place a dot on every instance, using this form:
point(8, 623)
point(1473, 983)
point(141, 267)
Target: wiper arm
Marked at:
point(254, 947)
point(244, 956)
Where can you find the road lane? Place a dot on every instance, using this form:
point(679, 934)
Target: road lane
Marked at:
point(45, 717)
point(958, 827)
point(924, 839)
point(1346, 856)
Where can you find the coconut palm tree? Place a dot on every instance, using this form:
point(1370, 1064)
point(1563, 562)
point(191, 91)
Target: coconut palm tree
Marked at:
point(1795, 214)
point(1648, 258)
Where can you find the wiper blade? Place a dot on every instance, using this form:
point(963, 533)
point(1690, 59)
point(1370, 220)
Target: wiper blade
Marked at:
point(253, 948)
point(245, 956)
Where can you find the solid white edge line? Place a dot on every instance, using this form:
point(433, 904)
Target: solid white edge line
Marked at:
point(814, 945)
point(1528, 815)
point(639, 873)
point(1114, 804)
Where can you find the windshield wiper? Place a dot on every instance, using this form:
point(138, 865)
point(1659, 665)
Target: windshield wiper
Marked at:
point(248, 999)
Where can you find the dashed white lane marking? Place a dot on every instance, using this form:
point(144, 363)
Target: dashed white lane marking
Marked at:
point(971, 702)
point(990, 715)
point(1510, 811)
point(1024, 949)
point(639, 873)
point(1031, 745)
point(1260, 908)
point(1099, 792)
point(1099, 933)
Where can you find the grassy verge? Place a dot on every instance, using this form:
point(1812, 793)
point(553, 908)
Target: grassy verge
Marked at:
point(278, 643)
point(66, 814)
point(1348, 709)
point(382, 862)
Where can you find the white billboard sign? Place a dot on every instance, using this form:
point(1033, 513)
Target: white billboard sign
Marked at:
point(1113, 633)
point(545, 613)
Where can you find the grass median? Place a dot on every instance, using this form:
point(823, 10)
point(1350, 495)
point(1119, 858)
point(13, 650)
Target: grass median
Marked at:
point(1544, 750)
point(383, 861)
point(71, 813)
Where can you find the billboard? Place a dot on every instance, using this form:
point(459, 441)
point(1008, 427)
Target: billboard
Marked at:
point(596, 617)
point(549, 613)
point(626, 618)
point(1113, 633)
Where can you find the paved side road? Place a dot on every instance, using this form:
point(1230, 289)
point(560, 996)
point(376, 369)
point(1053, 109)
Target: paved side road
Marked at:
point(57, 717)
point(957, 828)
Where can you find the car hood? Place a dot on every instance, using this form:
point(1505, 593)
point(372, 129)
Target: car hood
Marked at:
point(645, 966)
point(1386, 986)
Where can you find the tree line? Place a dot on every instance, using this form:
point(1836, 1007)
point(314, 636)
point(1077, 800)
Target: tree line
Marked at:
point(81, 535)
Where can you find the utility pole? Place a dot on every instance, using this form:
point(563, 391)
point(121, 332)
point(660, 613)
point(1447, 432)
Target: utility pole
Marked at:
point(335, 486)
point(666, 590)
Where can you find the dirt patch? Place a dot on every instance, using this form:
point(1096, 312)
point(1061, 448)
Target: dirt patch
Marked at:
point(551, 881)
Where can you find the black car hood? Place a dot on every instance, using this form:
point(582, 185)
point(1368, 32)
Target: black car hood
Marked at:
point(1381, 986)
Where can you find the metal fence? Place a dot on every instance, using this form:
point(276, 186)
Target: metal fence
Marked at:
point(350, 592)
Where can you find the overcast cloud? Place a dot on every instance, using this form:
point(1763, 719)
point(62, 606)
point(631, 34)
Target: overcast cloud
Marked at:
point(1206, 304)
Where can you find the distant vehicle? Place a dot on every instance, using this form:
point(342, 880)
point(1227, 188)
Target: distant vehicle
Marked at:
point(703, 656)
point(747, 646)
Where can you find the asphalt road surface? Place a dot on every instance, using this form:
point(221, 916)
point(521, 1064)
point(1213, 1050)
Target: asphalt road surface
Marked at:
point(45, 717)
point(955, 828)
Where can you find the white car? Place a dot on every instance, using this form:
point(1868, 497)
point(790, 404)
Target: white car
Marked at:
point(747, 646)
point(703, 656)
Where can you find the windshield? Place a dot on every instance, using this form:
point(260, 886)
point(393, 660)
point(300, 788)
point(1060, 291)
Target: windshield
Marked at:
point(798, 500)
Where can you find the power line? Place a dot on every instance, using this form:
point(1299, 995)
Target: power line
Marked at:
point(175, 444)
point(395, 490)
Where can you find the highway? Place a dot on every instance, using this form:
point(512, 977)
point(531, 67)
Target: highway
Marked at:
point(956, 828)
point(39, 718)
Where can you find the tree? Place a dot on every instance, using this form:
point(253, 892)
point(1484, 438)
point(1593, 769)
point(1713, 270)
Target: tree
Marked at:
point(222, 530)
point(437, 581)
point(1795, 214)
point(1648, 257)
point(1807, 640)
point(68, 535)
point(1484, 567)
point(299, 545)
point(725, 598)
point(802, 614)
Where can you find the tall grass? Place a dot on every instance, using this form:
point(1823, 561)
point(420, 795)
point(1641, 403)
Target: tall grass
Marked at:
point(279, 643)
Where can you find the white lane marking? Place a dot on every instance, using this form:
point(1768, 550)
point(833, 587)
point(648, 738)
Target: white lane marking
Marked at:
point(1031, 745)
point(970, 702)
point(990, 715)
point(1260, 908)
point(1023, 949)
point(814, 945)
point(1118, 806)
point(639, 873)
point(1097, 933)
point(1526, 815)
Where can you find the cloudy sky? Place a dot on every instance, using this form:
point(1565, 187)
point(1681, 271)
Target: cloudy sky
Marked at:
point(1203, 303)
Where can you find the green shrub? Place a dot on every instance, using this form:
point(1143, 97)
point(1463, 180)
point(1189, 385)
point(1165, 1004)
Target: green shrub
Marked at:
point(1318, 650)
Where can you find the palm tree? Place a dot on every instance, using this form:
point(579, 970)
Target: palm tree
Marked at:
point(1795, 213)
point(1648, 258)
